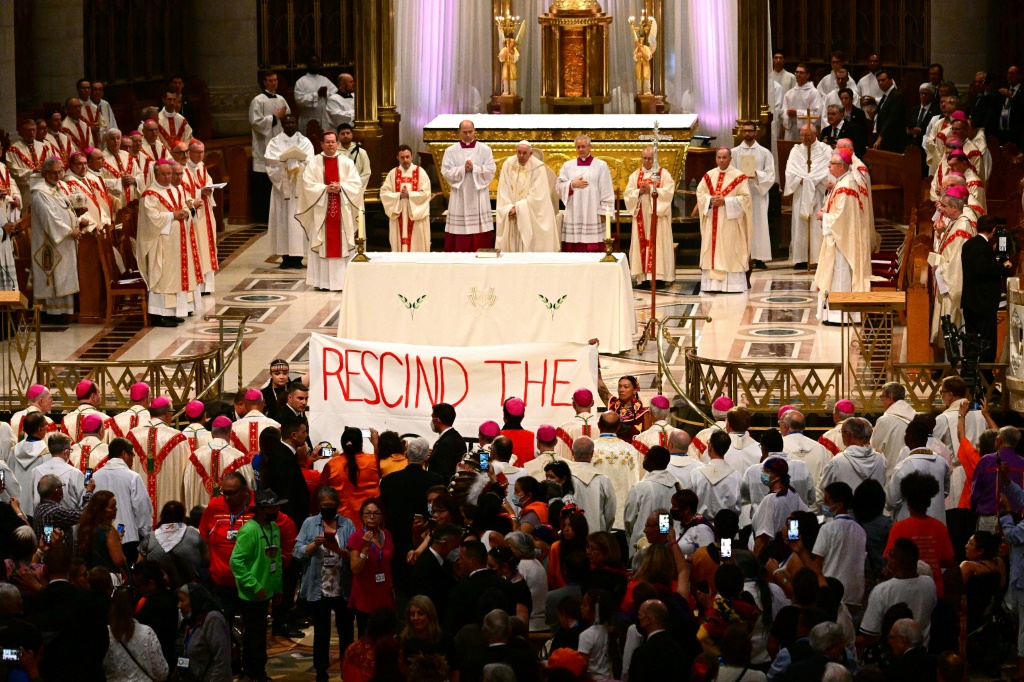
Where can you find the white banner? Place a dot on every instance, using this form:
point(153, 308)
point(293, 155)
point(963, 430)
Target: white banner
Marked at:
point(394, 386)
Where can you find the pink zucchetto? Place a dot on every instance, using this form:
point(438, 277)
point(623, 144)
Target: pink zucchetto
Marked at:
point(583, 397)
point(958, 116)
point(195, 409)
point(221, 422)
point(723, 403)
point(164, 162)
point(784, 409)
point(846, 407)
point(515, 407)
point(138, 392)
point(954, 143)
point(92, 423)
point(34, 391)
point(958, 191)
point(956, 154)
point(660, 402)
point(490, 429)
point(253, 396)
point(83, 388)
point(160, 401)
point(547, 434)
point(846, 155)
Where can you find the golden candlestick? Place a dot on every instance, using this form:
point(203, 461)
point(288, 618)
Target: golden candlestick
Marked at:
point(609, 257)
point(360, 256)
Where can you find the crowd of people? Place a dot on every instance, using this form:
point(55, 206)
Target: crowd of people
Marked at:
point(614, 546)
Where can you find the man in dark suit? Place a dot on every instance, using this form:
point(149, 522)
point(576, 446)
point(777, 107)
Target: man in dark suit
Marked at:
point(477, 581)
point(404, 494)
point(910, 660)
point(72, 620)
point(827, 642)
point(660, 657)
point(1009, 114)
point(282, 473)
point(450, 448)
point(497, 631)
point(890, 117)
point(923, 113)
point(432, 575)
point(982, 283)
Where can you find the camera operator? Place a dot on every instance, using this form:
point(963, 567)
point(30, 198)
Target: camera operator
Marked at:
point(983, 274)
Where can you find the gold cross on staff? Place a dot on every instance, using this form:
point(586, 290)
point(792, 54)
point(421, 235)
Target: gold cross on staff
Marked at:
point(654, 138)
point(810, 121)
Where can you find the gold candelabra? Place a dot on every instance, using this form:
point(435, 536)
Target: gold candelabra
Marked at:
point(508, 24)
point(641, 30)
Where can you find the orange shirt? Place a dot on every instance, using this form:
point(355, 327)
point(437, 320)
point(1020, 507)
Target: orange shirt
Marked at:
point(392, 464)
point(969, 458)
point(352, 496)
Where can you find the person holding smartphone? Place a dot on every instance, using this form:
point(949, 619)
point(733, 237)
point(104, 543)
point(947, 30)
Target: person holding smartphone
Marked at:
point(370, 553)
point(355, 473)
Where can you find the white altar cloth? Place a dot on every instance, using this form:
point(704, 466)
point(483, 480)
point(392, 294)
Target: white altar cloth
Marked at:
point(550, 122)
point(456, 299)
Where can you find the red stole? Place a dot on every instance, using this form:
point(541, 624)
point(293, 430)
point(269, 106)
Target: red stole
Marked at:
point(32, 162)
point(172, 205)
point(154, 460)
point(646, 253)
point(78, 136)
point(405, 221)
point(717, 189)
point(119, 173)
point(200, 179)
point(170, 134)
point(91, 114)
point(332, 223)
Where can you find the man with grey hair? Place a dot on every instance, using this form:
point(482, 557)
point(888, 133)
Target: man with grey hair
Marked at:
point(55, 233)
point(890, 428)
point(72, 480)
point(946, 262)
point(497, 630)
point(910, 660)
point(660, 431)
point(469, 168)
point(526, 218)
point(51, 509)
point(585, 187)
point(594, 492)
point(858, 462)
point(120, 170)
point(801, 448)
point(827, 642)
point(723, 203)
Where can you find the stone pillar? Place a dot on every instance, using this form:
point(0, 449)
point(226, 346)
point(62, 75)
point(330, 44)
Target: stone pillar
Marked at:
point(367, 129)
point(228, 66)
point(58, 48)
point(387, 112)
point(8, 103)
point(960, 38)
point(752, 22)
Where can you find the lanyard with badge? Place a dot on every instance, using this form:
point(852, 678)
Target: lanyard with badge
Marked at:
point(270, 550)
point(183, 660)
point(379, 577)
point(232, 533)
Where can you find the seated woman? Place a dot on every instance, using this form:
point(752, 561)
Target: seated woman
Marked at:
point(634, 418)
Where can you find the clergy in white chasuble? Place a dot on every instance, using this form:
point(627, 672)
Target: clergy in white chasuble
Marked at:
point(757, 164)
point(808, 191)
point(468, 167)
point(330, 187)
point(55, 233)
point(945, 260)
point(585, 187)
point(844, 263)
point(312, 92)
point(405, 196)
point(526, 219)
point(286, 156)
point(723, 201)
point(798, 102)
point(639, 203)
point(205, 221)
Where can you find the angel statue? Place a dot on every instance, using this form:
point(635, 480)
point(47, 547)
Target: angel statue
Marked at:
point(645, 34)
point(508, 55)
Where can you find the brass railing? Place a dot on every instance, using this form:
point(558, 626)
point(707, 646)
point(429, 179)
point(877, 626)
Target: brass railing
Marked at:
point(193, 377)
point(922, 383)
point(21, 355)
point(658, 330)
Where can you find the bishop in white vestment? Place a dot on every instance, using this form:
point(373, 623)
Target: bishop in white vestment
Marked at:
point(405, 196)
point(723, 201)
point(946, 262)
point(210, 461)
point(25, 156)
point(161, 454)
point(205, 220)
point(585, 188)
point(172, 125)
point(644, 263)
point(55, 233)
point(10, 213)
point(808, 191)
point(285, 161)
point(120, 166)
point(526, 219)
point(330, 187)
point(468, 167)
point(757, 164)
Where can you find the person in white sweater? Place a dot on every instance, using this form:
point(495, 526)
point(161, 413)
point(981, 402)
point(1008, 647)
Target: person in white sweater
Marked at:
point(859, 461)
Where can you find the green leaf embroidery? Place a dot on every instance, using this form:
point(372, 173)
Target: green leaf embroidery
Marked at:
point(413, 306)
point(552, 307)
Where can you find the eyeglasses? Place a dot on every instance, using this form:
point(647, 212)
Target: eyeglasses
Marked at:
point(370, 512)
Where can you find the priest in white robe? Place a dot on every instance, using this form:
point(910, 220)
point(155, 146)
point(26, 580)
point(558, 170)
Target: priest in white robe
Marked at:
point(585, 188)
point(957, 162)
point(778, 74)
point(10, 212)
point(167, 249)
point(888, 435)
point(946, 263)
point(341, 106)
point(799, 102)
point(330, 188)
point(844, 263)
point(205, 220)
point(526, 219)
point(311, 94)
point(75, 127)
point(266, 114)
point(868, 84)
point(405, 196)
point(757, 164)
point(652, 254)
point(55, 233)
point(58, 142)
point(468, 167)
point(172, 125)
point(285, 159)
point(808, 191)
point(210, 461)
point(25, 156)
point(161, 454)
point(119, 166)
point(723, 201)
point(78, 180)
point(939, 130)
point(829, 81)
point(151, 150)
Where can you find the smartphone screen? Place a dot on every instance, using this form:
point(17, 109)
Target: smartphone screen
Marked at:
point(327, 451)
point(47, 532)
point(11, 654)
point(485, 460)
point(120, 528)
point(726, 548)
point(1002, 244)
point(794, 530)
point(88, 475)
point(366, 433)
point(664, 523)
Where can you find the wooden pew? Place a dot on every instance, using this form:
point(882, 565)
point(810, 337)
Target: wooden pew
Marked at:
point(895, 183)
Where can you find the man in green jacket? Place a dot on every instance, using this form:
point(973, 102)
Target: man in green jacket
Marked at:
point(257, 564)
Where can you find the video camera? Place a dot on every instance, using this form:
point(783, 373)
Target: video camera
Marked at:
point(964, 350)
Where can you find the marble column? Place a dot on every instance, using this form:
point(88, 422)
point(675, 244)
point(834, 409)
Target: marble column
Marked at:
point(8, 103)
point(58, 48)
point(753, 65)
point(387, 111)
point(367, 129)
point(960, 38)
point(228, 66)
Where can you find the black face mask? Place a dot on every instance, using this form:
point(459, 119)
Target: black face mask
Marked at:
point(271, 516)
point(328, 513)
point(676, 515)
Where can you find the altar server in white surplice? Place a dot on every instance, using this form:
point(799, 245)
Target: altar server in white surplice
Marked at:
point(286, 157)
point(638, 202)
point(798, 102)
point(55, 233)
point(405, 196)
point(585, 188)
point(723, 201)
point(266, 112)
point(526, 219)
point(330, 186)
point(469, 168)
point(808, 190)
point(757, 164)
point(311, 94)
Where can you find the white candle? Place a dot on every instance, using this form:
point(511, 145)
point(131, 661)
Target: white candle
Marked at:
point(607, 225)
point(362, 224)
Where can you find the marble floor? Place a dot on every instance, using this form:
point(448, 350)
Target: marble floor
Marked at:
point(774, 321)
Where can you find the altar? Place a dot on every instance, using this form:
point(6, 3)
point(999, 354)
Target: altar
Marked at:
point(457, 299)
point(615, 139)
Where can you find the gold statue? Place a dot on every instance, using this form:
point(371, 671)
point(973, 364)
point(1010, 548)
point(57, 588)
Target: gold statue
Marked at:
point(645, 34)
point(511, 29)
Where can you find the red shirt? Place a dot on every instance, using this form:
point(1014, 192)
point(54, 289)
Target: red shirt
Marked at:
point(214, 527)
point(312, 477)
point(522, 444)
point(932, 540)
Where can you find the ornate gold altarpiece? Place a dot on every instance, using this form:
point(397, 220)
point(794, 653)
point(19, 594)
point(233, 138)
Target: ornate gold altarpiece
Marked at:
point(574, 56)
point(614, 138)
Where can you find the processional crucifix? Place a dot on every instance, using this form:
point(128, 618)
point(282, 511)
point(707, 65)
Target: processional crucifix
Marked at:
point(654, 138)
point(807, 117)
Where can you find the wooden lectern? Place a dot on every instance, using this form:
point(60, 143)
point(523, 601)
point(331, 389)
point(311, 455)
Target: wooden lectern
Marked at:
point(867, 345)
